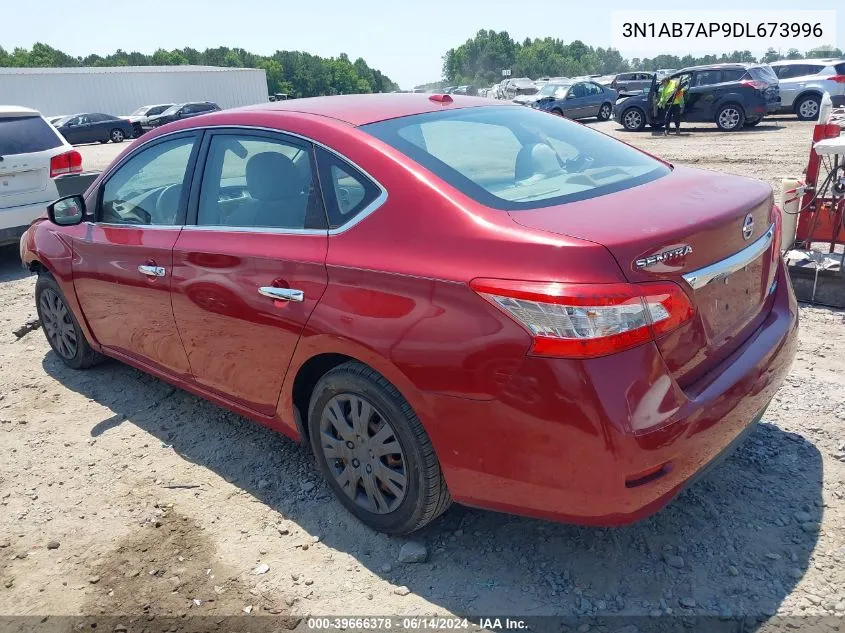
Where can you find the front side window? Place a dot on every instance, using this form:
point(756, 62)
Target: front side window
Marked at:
point(259, 182)
point(515, 158)
point(149, 187)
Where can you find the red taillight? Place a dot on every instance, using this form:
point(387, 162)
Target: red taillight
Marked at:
point(585, 321)
point(756, 84)
point(67, 163)
point(840, 79)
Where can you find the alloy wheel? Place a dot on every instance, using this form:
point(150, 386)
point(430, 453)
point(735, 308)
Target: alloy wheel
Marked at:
point(117, 136)
point(58, 324)
point(729, 118)
point(363, 453)
point(604, 114)
point(633, 119)
point(809, 109)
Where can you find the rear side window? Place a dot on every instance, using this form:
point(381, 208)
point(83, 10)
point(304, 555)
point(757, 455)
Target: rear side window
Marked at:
point(25, 135)
point(732, 74)
point(707, 78)
point(515, 158)
point(346, 191)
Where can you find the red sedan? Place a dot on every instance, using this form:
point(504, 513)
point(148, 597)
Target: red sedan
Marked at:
point(448, 298)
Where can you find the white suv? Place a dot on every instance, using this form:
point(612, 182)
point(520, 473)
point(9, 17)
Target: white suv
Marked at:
point(32, 155)
point(804, 81)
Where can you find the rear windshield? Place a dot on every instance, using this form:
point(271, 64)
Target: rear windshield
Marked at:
point(763, 73)
point(516, 158)
point(24, 135)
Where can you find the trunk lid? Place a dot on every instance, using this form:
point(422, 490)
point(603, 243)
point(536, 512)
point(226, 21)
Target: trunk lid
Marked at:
point(670, 228)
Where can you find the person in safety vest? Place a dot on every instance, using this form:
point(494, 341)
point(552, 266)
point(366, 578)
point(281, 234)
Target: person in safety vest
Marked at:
point(672, 99)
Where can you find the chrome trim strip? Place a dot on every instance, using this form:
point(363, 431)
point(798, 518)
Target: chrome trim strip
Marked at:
point(721, 269)
point(117, 225)
point(254, 229)
point(364, 213)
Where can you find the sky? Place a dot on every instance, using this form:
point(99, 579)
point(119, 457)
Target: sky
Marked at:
point(405, 40)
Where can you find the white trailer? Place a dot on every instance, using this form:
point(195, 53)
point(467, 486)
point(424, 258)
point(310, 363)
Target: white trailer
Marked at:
point(121, 90)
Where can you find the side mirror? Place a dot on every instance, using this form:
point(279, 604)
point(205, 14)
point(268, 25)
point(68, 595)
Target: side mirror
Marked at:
point(67, 211)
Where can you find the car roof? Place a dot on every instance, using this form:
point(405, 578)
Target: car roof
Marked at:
point(11, 110)
point(361, 109)
point(815, 60)
point(730, 65)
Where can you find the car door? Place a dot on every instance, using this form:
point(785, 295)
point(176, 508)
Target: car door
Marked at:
point(788, 82)
point(99, 127)
point(595, 97)
point(575, 105)
point(250, 266)
point(74, 130)
point(701, 96)
point(123, 261)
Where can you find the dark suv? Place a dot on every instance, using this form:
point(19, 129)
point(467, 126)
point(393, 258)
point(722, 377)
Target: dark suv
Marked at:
point(732, 96)
point(180, 111)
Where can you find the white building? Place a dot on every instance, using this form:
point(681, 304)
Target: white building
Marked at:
point(120, 90)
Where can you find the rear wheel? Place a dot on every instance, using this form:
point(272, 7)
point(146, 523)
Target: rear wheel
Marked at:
point(730, 117)
point(372, 449)
point(752, 122)
point(60, 327)
point(808, 108)
point(633, 119)
point(116, 136)
point(604, 112)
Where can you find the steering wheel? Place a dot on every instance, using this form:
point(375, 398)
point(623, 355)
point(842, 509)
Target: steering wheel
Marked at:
point(166, 199)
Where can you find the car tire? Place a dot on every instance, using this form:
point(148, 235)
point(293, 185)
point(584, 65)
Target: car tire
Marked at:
point(556, 111)
point(752, 122)
point(633, 119)
point(354, 394)
point(605, 111)
point(104, 141)
point(730, 117)
point(61, 327)
point(807, 108)
point(116, 135)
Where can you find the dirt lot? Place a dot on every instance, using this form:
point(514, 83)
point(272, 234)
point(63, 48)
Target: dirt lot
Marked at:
point(122, 495)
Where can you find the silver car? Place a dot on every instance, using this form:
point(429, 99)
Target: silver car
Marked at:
point(804, 81)
point(629, 82)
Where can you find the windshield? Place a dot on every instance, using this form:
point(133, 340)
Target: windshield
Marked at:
point(515, 158)
point(172, 109)
point(140, 111)
point(550, 90)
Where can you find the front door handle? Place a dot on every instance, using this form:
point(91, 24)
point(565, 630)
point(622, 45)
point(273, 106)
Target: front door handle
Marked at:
point(151, 271)
point(281, 294)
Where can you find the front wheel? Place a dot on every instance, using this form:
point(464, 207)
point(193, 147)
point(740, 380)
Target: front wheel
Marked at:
point(116, 136)
point(605, 111)
point(557, 112)
point(808, 108)
point(730, 118)
point(60, 327)
point(633, 119)
point(372, 449)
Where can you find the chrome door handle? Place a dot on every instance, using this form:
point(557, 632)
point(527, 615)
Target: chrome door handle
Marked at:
point(281, 294)
point(151, 271)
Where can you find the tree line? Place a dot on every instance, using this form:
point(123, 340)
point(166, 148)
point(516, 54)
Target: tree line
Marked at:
point(481, 59)
point(295, 73)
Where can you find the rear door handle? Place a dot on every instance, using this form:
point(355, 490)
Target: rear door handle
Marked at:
point(151, 271)
point(281, 294)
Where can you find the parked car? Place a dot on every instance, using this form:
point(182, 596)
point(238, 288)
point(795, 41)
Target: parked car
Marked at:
point(732, 96)
point(532, 328)
point(803, 82)
point(519, 86)
point(32, 156)
point(180, 111)
point(139, 117)
point(628, 82)
point(94, 127)
point(546, 91)
point(579, 100)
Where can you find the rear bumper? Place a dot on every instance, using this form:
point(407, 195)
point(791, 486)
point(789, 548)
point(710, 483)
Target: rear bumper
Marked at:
point(559, 442)
point(15, 220)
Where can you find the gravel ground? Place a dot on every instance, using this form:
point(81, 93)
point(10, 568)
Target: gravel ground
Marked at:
point(122, 495)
